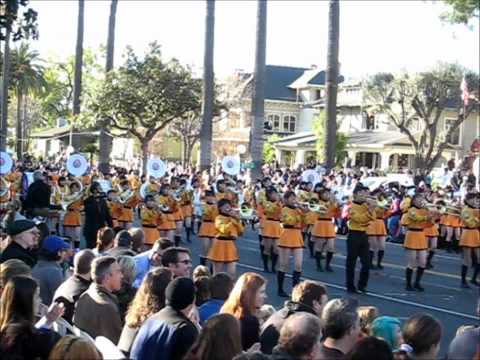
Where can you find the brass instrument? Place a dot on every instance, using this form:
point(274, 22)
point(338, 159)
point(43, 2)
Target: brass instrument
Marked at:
point(125, 195)
point(4, 187)
point(68, 200)
point(144, 190)
point(246, 212)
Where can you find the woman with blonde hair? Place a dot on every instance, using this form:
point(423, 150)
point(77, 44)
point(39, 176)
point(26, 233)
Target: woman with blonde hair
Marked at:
point(247, 297)
point(75, 348)
point(149, 299)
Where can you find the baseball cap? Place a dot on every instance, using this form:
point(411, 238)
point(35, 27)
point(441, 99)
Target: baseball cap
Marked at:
point(54, 243)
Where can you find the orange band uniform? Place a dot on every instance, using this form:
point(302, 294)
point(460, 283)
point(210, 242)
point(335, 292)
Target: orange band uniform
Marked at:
point(168, 220)
point(127, 209)
point(271, 223)
point(207, 227)
point(471, 230)
point(360, 217)
point(150, 219)
point(292, 222)
point(417, 221)
point(116, 211)
point(72, 216)
point(223, 248)
point(377, 226)
point(186, 202)
point(262, 198)
point(323, 227)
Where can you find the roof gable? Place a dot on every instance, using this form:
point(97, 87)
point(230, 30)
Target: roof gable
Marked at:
point(278, 78)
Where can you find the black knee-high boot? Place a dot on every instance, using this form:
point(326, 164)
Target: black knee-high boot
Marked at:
point(408, 277)
point(265, 263)
point(476, 270)
point(296, 278)
point(418, 278)
point(371, 254)
point(260, 243)
point(280, 279)
point(429, 259)
point(318, 260)
point(464, 277)
point(188, 231)
point(177, 239)
point(329, 260)
point(311, 246)
point(380, 255)
point(274, 262)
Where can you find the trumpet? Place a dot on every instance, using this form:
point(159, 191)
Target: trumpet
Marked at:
point(68, 200)
point(125, 196)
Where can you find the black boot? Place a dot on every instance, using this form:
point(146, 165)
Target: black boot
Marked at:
point(429, 259)
point(380, 259)
point(371, 255)
point(408, 277)
point(203, 260)
point(318, 261)
point(274, 262)
point(296, 278)
point(476, 270)
point(265, 263)
point(464, 277)
point(311, 246)
point(418, 278)
point(178, 239)
point(449, 246)
point(280, 278)
point(328, 268)
point(260, 244)
point(188, 231)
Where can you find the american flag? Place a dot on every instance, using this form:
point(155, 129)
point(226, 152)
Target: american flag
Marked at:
point(465, 93)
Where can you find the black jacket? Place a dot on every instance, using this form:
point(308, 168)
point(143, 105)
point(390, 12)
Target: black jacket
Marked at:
point(15, 251)
point(69, 292)
point(250, 329)
point(271, 329)
point(97, 216)
point(38, 195)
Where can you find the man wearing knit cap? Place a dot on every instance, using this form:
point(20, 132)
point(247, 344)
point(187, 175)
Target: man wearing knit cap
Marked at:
point(169, 334)
point(25, 236)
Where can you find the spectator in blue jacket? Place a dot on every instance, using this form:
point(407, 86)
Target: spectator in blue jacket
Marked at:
point(221, 285)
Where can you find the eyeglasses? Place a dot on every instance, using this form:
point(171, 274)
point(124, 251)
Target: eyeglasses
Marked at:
point(185, 262)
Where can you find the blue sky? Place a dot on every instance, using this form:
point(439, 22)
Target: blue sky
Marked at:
point(374, 35)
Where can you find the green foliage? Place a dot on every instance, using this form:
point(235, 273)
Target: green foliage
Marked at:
point(20, 19)
point(27, 71)
point(423, 97)
point(269, 149)
point(461, 11)
point(145, 95)
point(341, 141)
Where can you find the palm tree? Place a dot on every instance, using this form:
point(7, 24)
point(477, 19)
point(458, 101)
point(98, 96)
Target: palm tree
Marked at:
point(77, 79)
point(332, 82)
point(27, 78)
point(4, 97)
point(258, 95)
point(105, 138)
point(208, 89)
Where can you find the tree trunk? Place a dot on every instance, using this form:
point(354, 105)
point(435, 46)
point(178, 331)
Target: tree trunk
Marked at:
point(332, 83)
point(18, 132)
point(144, 146)
point(258, 95)
point(4, 97)
point(105, 142)
point(208, 89)
point(77, 81)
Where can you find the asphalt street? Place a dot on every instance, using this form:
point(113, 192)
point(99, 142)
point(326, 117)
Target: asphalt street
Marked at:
point(443, 298)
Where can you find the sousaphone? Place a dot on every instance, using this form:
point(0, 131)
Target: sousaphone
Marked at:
point(231, 165)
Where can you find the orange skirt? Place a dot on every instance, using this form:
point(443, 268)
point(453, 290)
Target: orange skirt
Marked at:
point(291, 238)
point(470, 238)
point(151, 234)
point(324, 229)
point(207, 229)
point(271, 229)
point(310, 218)
point(127, 215)
point(415, 240)
point(432, 231)
point(178, 215)
point(169, 224)
point(377, 228)
point(72, 218)
point(223, 251)
point(187, 210)
point(451, 220)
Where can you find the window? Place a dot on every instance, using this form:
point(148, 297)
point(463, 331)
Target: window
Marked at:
point(274, 122)
point(454, 138)
point(277, 123)
point(289, 123)
point(370, 123)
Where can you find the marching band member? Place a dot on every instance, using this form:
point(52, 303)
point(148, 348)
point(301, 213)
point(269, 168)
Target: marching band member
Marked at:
point(305, 195)
point(197, 205)
point(470, 240)
point(418, 218)
point(186, 204)
point(432, 234)
point(207, 230)
point(271, 229)
point(168, 207)
point(150, 217)
point(377, 232)
point(452, 224)
point(361, 215)
point(177, 213)
point(72, 220)
point(223, 252)
point(323, 232)
point(125, 220)
point(291, 241)
point(115, 207)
